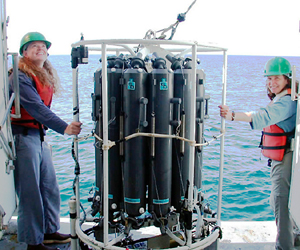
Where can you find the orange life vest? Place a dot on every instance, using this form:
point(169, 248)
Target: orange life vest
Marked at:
point(274, 140)
point(26, 120)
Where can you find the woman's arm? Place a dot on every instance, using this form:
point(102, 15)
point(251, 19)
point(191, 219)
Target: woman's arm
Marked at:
point(234, 116)
point(31, 101)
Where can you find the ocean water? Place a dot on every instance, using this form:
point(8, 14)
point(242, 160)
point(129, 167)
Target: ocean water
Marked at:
point(246, 182)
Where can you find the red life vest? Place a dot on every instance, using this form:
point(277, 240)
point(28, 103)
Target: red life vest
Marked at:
point(274, 140)
point(26, 120)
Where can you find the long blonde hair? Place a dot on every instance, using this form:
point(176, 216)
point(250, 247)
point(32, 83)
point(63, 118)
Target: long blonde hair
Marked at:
point(47, 75)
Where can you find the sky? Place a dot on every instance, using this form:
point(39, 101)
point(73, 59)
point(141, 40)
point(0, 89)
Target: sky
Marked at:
point(244, 27)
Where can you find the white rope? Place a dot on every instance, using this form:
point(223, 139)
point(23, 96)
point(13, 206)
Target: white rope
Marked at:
point(154, 135)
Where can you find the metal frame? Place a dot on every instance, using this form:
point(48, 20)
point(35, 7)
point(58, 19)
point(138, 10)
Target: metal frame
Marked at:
point(118, 45)
point(15, 98)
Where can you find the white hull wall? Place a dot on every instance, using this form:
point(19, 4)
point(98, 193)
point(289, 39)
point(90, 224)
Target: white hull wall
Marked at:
point(7, 190)
point(295, 184)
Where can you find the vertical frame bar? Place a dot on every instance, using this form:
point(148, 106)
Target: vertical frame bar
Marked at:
point(294, 94)
point(222, 142)
point(105, 143)
point(16, 84)
point(191, 136)
point(76, 119)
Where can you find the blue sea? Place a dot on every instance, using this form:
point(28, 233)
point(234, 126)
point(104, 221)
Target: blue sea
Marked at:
point(246, 182)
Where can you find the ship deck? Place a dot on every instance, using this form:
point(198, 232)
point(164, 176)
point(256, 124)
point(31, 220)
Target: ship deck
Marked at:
point(237, 235)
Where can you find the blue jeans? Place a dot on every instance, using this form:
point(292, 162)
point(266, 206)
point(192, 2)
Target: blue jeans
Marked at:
point(281, 180)
point(37, 189)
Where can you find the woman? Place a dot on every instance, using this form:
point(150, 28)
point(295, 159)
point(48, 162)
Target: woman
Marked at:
point(280, 117)
point(35, 179)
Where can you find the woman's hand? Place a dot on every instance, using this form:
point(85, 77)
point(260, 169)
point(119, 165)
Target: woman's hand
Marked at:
point(225, 113)
point(232, 116)
point(73, 128)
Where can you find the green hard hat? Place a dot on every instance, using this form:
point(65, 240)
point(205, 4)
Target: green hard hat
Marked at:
point(278, 66)
point(31, 37)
